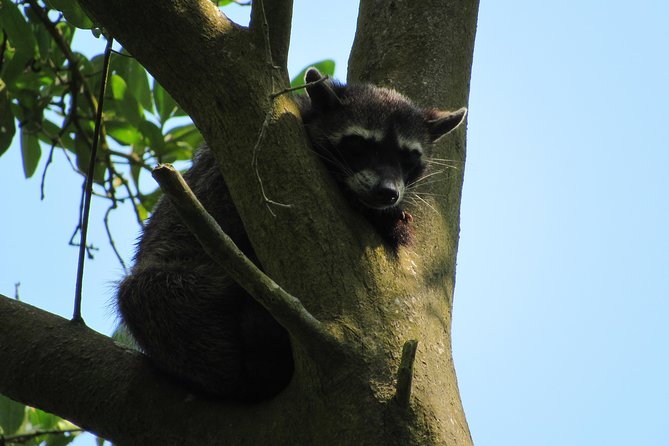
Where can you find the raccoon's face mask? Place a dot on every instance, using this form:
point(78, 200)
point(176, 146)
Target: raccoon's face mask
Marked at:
point(374, 140)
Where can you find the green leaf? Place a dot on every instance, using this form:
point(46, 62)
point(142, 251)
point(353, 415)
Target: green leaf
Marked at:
point(149, 200)
point(153, 137)
point(21, 38)
point(176, 151)
point(12, 415)
point(59, 439)
point(187, 133)
point(72, 13)
point(326, 67)
point(142, 212)
point(122, 336)
point(166, 106)
point(118, 86)
point(123, 132)
point(42, 420)
point(50, 131)
point(31, 151)
point(124, 102)
point(136, 79)
point(138, 84)
point(83, 151)
point(7, 128)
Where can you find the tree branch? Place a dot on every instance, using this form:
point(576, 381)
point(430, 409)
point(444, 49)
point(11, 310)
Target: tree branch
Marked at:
point(271, 20)
point(70, 370)
point(285, 308)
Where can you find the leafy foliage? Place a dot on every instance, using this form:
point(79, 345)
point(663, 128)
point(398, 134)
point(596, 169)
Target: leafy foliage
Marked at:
point(48, 92)
point(25, 425)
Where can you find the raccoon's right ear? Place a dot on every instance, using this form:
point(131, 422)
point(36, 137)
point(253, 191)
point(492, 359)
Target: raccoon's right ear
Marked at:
point(440, 122)
point(321, 94)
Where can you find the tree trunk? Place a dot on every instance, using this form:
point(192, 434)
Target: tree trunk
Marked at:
point(367, 301)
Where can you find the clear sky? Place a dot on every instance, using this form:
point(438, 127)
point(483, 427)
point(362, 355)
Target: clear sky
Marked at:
point(560, 322)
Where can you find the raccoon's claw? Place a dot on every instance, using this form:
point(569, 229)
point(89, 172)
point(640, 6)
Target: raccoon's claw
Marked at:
point(406, 217)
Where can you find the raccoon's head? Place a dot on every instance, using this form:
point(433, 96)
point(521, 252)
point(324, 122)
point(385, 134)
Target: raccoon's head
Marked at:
point(373, 140)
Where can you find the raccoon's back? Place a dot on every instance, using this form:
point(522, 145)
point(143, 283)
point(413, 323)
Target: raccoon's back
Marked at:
point(188, 316)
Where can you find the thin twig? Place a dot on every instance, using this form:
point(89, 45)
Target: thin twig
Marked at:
point(254, 164)
point(76, 317)
point(261, 135)
point(299, 87)
point(22, 438)
point(46, 167)
point(111, 239)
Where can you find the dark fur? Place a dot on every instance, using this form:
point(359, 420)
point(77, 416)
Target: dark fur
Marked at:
point(189, 317)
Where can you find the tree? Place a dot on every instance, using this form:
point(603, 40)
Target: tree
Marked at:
point(363, 303)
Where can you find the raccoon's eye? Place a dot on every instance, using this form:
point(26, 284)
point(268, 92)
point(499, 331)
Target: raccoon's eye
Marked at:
point(358, 147)
point(353, 142)
point(411, 158)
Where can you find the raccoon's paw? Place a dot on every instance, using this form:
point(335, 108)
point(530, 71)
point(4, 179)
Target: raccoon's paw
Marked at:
point(401, 232)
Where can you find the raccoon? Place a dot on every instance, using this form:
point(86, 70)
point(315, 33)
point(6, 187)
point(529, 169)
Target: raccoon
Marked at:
point(373, 141)
point(197, 325)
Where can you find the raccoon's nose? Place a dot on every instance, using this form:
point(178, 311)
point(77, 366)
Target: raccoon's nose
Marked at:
point(386, 193)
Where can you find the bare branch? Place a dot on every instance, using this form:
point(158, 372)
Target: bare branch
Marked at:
point(88, 192)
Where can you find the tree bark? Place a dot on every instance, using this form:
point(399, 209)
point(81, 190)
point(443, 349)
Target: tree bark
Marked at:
point(425, 49)
point(307, 239)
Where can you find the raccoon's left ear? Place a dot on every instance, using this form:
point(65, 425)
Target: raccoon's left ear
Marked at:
point(440, 122)
point(321, 94)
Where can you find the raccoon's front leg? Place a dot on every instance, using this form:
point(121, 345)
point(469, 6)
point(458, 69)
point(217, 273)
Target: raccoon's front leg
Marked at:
point(393, 224)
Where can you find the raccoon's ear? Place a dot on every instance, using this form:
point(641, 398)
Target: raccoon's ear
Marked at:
point(321, 94)
point(440, 122)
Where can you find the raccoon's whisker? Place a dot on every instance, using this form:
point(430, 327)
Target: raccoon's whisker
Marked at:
point(443, 159)
point(409, 200)
point(427, 203)
point(334, 161)
point(424, 177)
point(444, 164)
point(342, 163)
point(425, 183)
point(429, 194)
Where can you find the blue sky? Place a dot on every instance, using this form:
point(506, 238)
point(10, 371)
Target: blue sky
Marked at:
point(560, 321)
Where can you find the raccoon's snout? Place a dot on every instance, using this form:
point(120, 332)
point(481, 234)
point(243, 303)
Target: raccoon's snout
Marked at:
point(385, 194)
point(375, 191)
